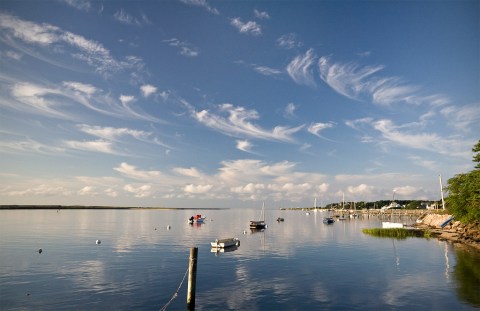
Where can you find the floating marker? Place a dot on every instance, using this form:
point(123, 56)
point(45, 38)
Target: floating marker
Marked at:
point(40, 251)
point(98, 242)
point(168, 227)
point(244, 231)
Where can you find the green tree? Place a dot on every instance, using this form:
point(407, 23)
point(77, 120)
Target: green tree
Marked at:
point(463, 199)
point(476, 156)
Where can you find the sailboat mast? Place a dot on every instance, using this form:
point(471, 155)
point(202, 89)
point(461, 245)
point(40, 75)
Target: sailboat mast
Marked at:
point(441, 191)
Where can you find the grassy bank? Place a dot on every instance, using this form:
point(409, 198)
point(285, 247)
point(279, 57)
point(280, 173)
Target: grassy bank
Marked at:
point(397, 233)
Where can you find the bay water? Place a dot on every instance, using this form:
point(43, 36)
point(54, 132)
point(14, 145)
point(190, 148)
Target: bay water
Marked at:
point(137, 259)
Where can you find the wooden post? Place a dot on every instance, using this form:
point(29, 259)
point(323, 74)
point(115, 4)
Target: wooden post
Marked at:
point(192, 278)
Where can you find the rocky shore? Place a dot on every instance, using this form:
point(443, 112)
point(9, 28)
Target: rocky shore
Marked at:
point(454, 231)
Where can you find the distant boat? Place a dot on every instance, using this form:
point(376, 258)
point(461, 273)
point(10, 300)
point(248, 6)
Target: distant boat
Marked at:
point(328, 220)
point(259, 224)
point(225, 243)
point(196, 219)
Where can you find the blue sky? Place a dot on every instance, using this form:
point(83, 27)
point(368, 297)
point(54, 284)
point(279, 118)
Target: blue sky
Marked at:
point(198, 103)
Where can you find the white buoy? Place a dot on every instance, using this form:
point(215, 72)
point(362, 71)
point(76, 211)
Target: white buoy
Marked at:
point(244, 231)
point(168, 227)
point(98, 242)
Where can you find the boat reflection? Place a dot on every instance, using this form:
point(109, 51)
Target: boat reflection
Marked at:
point(228, 249)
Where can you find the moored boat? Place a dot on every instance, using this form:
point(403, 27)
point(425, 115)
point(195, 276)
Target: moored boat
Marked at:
point(224, 243)
point(328, 220)
point(259, 224)
point(196, 219)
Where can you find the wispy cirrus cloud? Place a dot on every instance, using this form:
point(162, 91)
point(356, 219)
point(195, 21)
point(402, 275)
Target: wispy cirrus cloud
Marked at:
point(387, 132)
point(244, 145)
point(267, 71)
point(289, 111)
point(463, 118)
point(29, 145)
point(101, 146)
point(300, 69)
point(185, 48)
point(133, 172)
point(363, 83)
point(202, 3)
point(117, 134)
point(261, 14)
point(54, 40)
point(55, 101)
point(288, 41)
point(238, 123)
point(124, 17)
point(250, 27)
point(317, 128)
point(82, 5)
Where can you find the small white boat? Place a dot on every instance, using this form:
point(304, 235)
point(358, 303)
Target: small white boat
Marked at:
point(387, 224)
point(225, 243)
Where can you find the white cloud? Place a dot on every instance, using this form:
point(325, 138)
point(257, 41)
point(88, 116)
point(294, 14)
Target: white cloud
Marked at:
point(11, 55)
point(139, 191)
point(360, 190)
point(362, 83)
point(202, 3)
point(185, 48)
point(82, 5)
point(16, 31)
point(87, 190)
point(56, 101)
point(423, 141)
point(267, 71)
point(244, 145)
point(261, 15)
point(249, 27)
point(30, 146)
point(288, 41)
point(126, 18)
point(316, 128)
point(290, 110)
point(132, 172)
point(197, 188)
point(300, 68)
point(188, 172)
point(126, 99)
point(95, 146)
point(465, 119)
point(86, 89)
point(406, 191)
point(111, 133)
point(238, 124)
point(148, 90)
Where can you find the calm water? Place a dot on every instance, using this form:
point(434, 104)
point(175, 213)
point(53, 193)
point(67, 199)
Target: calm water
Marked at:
point(300, 264)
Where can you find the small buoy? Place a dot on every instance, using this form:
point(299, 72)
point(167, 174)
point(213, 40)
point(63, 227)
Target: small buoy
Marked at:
point(40, 251)
point(244, 231)
point(98, 242)
point(168, 227)
point(155, 228)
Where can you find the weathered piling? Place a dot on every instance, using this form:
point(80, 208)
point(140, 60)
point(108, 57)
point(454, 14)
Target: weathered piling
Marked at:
point(192, 278)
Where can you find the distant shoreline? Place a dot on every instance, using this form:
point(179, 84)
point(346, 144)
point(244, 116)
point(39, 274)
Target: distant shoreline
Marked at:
point(99, 207)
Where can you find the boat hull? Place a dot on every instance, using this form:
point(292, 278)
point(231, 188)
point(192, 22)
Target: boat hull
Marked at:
point(225, 243)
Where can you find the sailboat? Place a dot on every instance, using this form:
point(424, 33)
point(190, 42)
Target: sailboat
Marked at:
point(259, 224)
